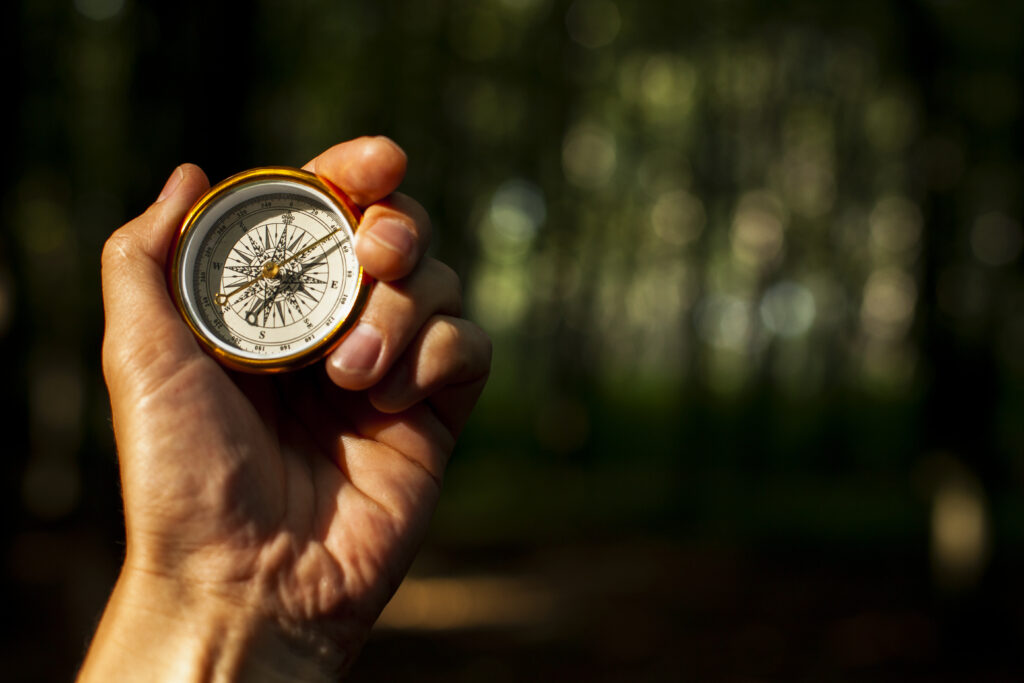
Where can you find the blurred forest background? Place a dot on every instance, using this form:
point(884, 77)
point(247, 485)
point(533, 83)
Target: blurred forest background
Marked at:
point(753, 273)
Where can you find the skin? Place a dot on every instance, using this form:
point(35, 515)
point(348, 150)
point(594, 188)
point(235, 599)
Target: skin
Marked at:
point(270, 519)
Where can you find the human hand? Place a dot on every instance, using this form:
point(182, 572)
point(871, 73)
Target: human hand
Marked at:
point(269, 519)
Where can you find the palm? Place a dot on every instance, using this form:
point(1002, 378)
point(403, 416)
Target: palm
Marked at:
point(325, 512)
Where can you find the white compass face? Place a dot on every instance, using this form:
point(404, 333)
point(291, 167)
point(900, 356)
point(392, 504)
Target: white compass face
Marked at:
point(268, 272)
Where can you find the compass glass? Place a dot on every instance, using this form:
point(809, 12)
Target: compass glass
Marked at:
point(265, 271)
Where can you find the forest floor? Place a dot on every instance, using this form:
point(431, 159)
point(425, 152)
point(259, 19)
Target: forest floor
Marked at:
point(655, 610)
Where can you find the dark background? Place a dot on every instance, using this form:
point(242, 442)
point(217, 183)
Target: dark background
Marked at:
point(753, 275)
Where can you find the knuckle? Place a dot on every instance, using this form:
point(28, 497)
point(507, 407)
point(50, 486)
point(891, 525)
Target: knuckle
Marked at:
point(464, 346)
point(412, 211)
point(442, 343)
point(456, 348)
point(448, 337)
point(116, 249)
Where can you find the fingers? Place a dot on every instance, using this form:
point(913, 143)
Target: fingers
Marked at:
point(142, 326)
point(395, 230)
point(393, 316)
point(367, 168)
point(449, 360)
point(413, 302)
point(392, 237)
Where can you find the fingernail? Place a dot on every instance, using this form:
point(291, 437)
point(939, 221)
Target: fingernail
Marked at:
point(359, 351)
point(392, 234)
point(172, 184)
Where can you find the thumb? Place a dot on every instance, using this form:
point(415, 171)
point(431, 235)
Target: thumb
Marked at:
point(144, 338)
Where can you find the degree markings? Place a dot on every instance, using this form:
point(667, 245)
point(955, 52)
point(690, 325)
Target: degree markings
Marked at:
point(288, 300)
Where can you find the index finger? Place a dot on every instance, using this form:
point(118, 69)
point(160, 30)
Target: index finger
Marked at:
point(395, 230)
point(367, 169)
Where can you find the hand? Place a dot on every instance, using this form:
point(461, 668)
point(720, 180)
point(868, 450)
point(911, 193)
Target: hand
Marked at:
point(269, 519)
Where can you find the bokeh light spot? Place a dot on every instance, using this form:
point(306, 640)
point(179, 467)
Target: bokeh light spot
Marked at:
point(667, 84)
point(757, 229)
point(516, 211)
point(958, 528)
point(678, 217)
point(887, 308)
point(724, 321)
point(499, 297)
point(518, 207)
point(467, 602)
point(788, 309)
point(589, 155)
point(959, 522)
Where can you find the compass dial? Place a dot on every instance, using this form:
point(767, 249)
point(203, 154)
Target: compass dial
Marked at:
point(265, 272)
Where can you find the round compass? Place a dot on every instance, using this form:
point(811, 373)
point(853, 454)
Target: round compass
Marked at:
point(264, 269)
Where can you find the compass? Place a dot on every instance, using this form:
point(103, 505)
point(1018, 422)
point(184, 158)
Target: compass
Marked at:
point(264, 269)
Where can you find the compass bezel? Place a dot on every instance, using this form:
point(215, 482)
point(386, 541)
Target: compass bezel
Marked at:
point(338, 202)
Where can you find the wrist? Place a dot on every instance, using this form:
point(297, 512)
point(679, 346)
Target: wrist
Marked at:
point(157, 628)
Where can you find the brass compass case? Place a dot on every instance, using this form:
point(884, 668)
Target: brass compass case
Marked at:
point(264, 272)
